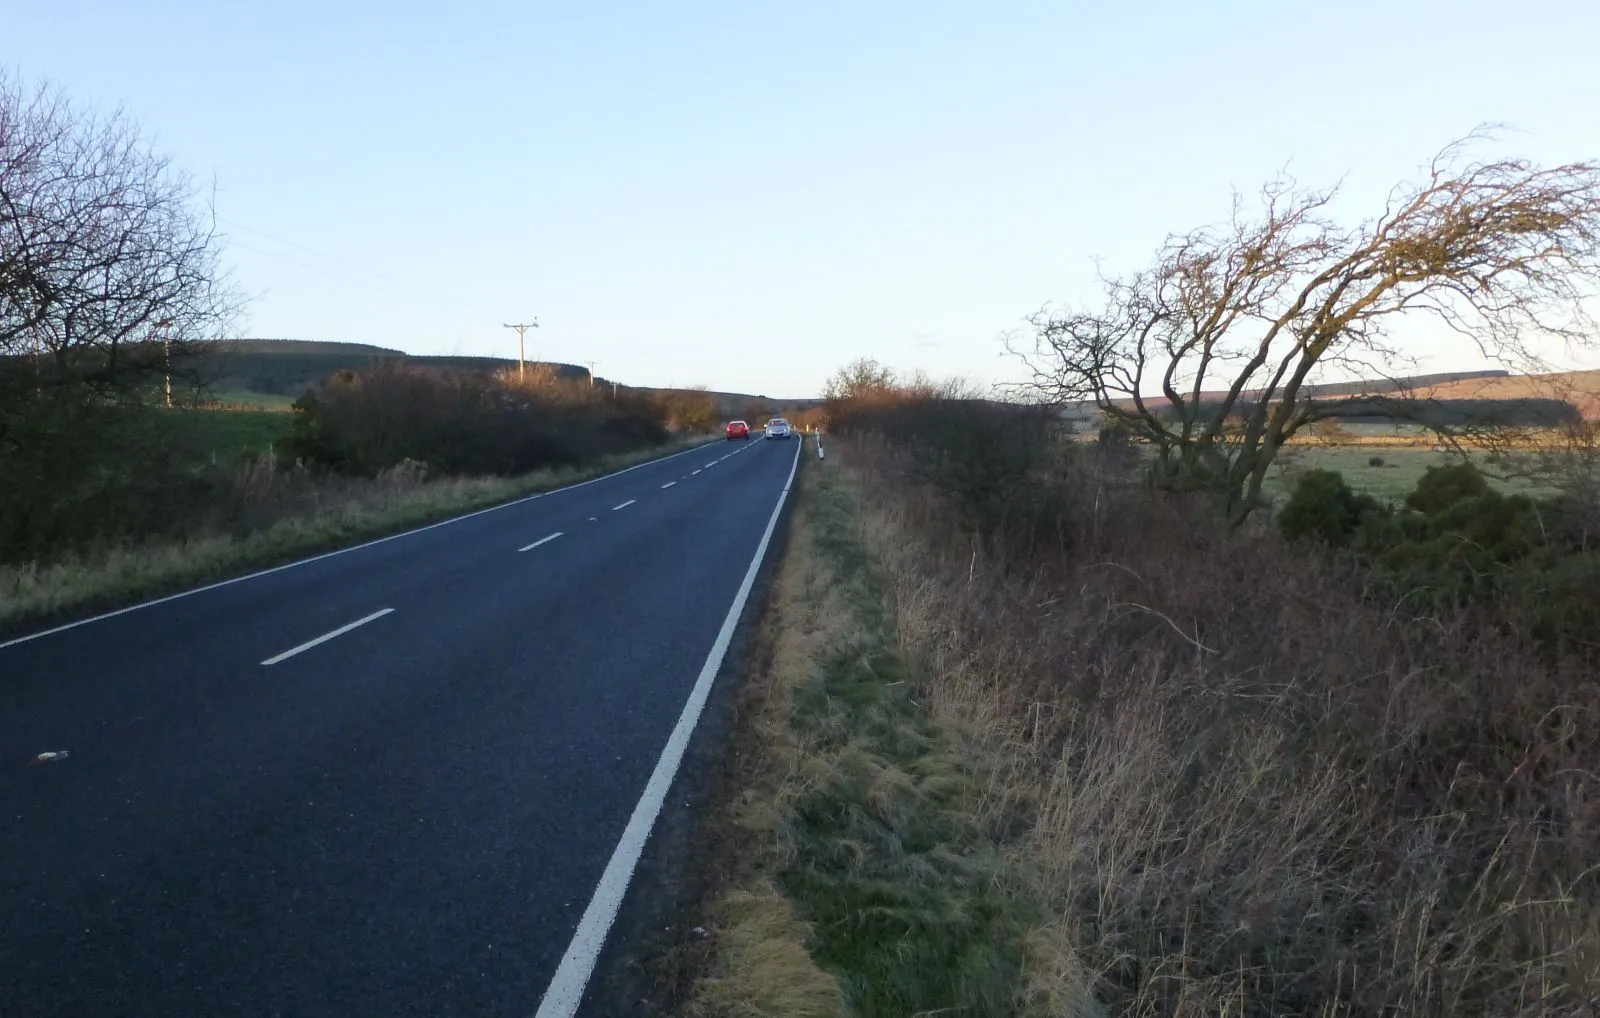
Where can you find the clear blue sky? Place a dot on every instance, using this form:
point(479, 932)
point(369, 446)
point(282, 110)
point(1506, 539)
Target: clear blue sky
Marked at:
point(747, 195)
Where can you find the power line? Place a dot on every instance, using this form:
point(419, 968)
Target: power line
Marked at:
point(414, 297)
point(409, 288)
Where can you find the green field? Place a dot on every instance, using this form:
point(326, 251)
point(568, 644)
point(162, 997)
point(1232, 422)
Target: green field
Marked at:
point(258, 400)
point(1388, 473)
point(223, 436)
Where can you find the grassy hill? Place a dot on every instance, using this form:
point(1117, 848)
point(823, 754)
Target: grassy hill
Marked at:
point(287, 367)
point(1580, 388)
point(275, 371)
point(1449, 397)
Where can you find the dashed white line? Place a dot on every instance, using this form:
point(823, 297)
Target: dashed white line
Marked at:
point(669, 484)
point(693, 472)
point(565, 992)
point(325, 637)
point(339, 551)
point(624, 505)
point(542, 540)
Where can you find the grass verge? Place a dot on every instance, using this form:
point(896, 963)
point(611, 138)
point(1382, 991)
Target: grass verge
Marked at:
point(874, 889)
point(333, 513)
point(1104, 757)
point(1234, 782)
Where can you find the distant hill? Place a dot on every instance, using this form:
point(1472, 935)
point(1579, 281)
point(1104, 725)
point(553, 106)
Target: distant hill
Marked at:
point(1580, 388)
point(1450, 397)
point(288, 367)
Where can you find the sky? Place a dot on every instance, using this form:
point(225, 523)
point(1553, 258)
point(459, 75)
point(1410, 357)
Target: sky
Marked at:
point(749, 195)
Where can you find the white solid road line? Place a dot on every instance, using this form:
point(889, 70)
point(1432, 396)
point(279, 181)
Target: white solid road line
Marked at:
point(542, 540)
point(339, 551)
point(669, 484)
point(325, 637)
point(565, 992)
point(624, 505)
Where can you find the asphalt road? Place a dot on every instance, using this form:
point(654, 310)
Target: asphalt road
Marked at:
point(407, 818)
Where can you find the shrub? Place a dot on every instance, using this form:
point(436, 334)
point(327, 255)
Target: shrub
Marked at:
point(462, 423)
point(1442, 486)
point(91, 474)
point(991, 459)
point(1323, 507)
point(1529, 563)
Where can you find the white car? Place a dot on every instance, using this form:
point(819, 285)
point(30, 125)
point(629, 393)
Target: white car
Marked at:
point(778, 428)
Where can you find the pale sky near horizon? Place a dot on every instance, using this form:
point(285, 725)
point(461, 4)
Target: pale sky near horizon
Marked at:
point(748, 195)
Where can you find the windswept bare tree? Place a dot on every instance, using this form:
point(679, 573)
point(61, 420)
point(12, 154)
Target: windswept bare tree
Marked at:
point(109, 268)
point(1212, 354)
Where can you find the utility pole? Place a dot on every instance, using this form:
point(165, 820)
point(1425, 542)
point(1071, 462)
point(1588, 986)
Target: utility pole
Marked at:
point(522, 359)
point(591, 372)
point(165, 325)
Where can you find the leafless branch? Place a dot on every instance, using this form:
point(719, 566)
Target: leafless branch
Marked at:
point(1213, 354)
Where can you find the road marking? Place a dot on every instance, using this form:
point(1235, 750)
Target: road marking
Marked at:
point(669, 484)
point(693, 472)
point(708, 466)
point(338, 551)
point(566, 988)
point(542, 540)
point(624, 505)
point(325, 637)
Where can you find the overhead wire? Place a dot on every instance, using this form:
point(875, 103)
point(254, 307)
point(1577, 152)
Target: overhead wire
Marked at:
point(400, 287)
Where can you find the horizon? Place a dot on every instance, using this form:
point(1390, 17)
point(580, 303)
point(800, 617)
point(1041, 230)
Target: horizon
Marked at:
point(1419, 379)
point(749, 200)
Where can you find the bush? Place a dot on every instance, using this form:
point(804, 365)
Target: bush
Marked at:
point(990, 459)
point(84, 474)
point(1442, 486)
point(1529, 564)
point(464, 424)
point(1323, 507)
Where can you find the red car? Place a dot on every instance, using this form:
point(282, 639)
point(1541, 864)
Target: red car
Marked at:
point(738, 429)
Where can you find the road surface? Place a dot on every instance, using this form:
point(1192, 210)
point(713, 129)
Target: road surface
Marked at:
point(385, 781)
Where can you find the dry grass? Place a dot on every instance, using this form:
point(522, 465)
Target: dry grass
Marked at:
point(1239, 788)
point(870, 888)
point(276, 515)
point(761, 965)
point(764, 970)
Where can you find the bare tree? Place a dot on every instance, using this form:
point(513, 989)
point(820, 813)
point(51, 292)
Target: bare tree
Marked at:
point(1212, 354)
point(691, 409)
point(109, 270)
point(862, 378)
